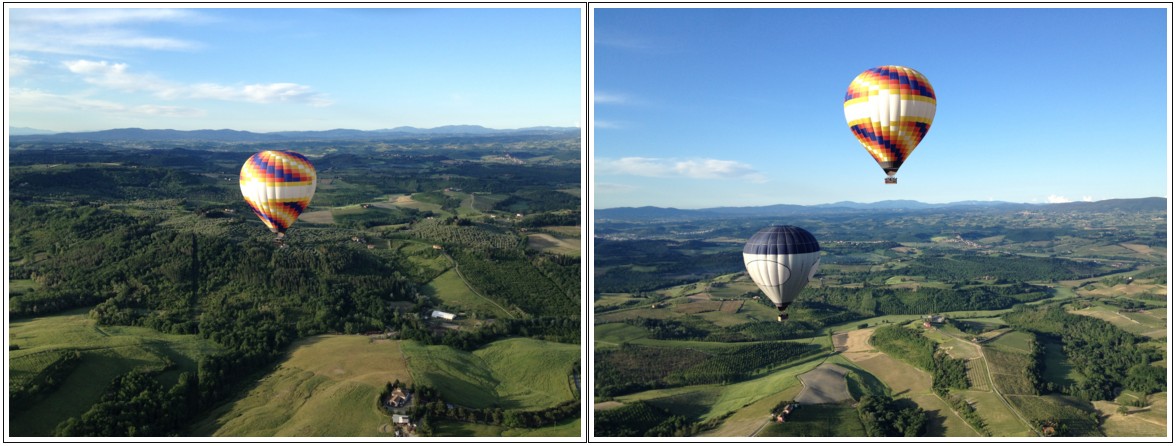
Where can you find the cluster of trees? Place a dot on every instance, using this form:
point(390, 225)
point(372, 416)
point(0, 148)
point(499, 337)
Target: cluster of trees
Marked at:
point(509, 276)
point(869, 301)
point(916, 349)
point(641, 419)
point(538, 199)
point(555, 218)
point(739, 362)
point(479, 236)
point(882, 416)
point(1007, 267)
point(431, 405)
point(137, 405)
point(632, 368)
point(1106, 356)
point(676, 263)
point(967, 412)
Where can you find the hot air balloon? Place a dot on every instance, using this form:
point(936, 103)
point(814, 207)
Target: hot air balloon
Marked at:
point(781, 260)
point(889, 109)
point(278, 185)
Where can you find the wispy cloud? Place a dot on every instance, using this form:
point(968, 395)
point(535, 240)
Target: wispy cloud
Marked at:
point(613, 188)
point(37, 100)
point(605, 124)
point(698, 168)
point(93, 31)
point(610, 98)
point(117, 76)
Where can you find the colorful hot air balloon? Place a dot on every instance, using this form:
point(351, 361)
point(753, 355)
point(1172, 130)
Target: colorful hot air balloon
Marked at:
point(889, 110)
point(781, 260)
point(278, 185)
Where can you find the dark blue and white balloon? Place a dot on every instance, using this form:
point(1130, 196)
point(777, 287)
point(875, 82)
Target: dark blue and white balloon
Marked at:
point(781, 260)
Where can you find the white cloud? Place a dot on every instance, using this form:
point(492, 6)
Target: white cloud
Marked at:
point(18, 65)
point(92, 31)
point(700, 168)
point(1087, 198)
point(36, 100)
point(1057, 199)
point(604, 124)
point(117, 76)
point(609, 98)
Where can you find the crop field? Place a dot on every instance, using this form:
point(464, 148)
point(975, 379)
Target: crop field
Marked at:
point(1057, 368)
point(1008, 371)
point(1134, 423)
point(977, 375)
point(553, 244)
point(1141, 323)
point(106, 353)
point(1013, 341)
point(617, 333)
point(1063, 409)
point(515, 373)
point(998, 418)
point(446, 428)
point(821, 420)
point(451, 290)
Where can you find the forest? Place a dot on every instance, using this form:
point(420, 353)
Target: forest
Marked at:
point(161, 239)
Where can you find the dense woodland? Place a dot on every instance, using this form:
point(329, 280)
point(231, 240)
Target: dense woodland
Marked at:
point(1107, 357)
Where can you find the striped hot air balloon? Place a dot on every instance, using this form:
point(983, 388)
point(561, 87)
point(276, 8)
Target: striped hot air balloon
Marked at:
point(889, 109)
point(278, 185)
point(781, 260)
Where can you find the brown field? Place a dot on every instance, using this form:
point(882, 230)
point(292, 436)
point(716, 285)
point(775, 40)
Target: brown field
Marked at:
point(698, 306)
point(322, 217)
point(1133, 424)
point(824, 385)
point(855, 345)
point(1142, 249)
point(606, 405)
point(977, 377)
point(547, 243)
point(731, 306)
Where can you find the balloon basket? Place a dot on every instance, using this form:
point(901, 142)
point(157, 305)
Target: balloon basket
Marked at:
point(891, 180)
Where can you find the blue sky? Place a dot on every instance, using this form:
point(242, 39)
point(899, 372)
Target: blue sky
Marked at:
point(697, 108)
point(294, 69)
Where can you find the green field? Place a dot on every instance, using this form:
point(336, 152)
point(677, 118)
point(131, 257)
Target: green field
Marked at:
point(451, 290)
point(569, 428)
point(106, 353)
point(20, 286)
point(515, 373)
point(819, 420)
point(327, 386)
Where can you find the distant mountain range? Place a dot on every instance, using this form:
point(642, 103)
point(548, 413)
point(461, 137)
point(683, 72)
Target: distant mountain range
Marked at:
point(657, 213)
point(25, 134)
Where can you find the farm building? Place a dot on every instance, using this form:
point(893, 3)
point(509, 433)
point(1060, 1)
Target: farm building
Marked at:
point(443, 315)
point(400, 419)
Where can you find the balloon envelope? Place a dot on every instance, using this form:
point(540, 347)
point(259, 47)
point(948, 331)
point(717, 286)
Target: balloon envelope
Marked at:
point(781, 260)
point(890, 109)
point(278, 186)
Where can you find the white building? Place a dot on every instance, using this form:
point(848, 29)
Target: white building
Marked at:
point(443, 315)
